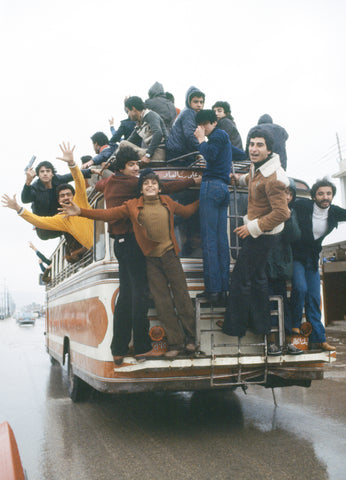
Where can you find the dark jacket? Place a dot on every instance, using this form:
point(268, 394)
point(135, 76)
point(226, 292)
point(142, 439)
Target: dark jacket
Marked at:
point(181, 140)
point(125, 129)
point(218, 152)
point(280, 258)
point(227, 124)
point(307, 248)
point(105, 154)
point(158, 102)
point(44, 200)
point(280, 136)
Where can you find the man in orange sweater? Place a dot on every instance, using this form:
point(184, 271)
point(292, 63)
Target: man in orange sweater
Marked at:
point(248, 302)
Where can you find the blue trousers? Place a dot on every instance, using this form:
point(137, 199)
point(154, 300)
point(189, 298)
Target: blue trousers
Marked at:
point(214, 202)
point(306, 291)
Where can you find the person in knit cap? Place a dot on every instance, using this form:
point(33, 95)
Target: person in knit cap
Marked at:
point(152, 218)
point(279, 134)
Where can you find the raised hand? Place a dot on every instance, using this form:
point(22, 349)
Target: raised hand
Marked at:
point(30, 175)
point(67, 153)
point(70, 210)
point(10, 202)
point(31, 245)
point(199, 133)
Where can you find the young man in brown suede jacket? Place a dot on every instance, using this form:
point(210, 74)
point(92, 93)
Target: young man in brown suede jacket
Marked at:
point(248, 302)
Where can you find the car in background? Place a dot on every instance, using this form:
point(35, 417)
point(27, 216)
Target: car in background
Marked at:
point(26, 318)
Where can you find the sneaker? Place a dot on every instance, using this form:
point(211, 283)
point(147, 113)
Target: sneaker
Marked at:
point(274, 350)
point(293, 350)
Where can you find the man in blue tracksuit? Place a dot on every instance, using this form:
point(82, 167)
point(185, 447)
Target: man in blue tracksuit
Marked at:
point(214, 200)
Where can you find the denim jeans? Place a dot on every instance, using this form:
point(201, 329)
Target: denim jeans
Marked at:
point(214, 201)
point(306, 290)
point(131, 309)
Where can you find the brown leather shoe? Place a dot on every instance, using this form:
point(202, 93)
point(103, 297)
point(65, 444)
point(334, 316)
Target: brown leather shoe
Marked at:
point(118, 359)
point(148, 355)
point(326, 346)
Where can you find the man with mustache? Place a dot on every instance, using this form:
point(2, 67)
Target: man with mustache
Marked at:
point(316, 218)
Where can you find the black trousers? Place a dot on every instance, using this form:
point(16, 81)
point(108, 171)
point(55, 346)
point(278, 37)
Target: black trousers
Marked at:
point(131, 309)
point(248, 304)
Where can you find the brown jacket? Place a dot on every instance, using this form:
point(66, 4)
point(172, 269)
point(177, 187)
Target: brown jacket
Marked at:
point(131, 209)
point(267, 204)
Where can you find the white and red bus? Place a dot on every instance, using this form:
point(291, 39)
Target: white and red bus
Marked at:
point(79, 319)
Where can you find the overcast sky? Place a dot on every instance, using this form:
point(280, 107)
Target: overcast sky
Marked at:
point(67, 65)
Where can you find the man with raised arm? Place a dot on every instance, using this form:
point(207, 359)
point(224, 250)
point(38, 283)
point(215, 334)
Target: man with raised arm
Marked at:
point(80, 228)
point(248, 303)
point(42, 193)
point(317, 218)
point(214, 198)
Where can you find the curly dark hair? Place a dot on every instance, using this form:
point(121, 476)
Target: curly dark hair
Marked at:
point(322, 183)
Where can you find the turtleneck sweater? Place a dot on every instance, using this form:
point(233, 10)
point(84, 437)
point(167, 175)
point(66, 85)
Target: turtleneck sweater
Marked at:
point(155, 218)
point(319, 221)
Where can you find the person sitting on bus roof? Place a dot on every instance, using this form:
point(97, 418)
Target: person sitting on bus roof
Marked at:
point(152, 218)
point(158, 102)
point(104, 149)
point(150, 131)
point(131, 309)
point(248, 303)
point(279, 134)
point(170, 97)
point(214, 203)
point(226, 122)
point(80, 228)
point(42, 193)
point(181, 140)
point(316, 218)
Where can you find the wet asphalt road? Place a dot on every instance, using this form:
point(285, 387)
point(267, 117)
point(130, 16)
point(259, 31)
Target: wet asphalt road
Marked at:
point(192, 436)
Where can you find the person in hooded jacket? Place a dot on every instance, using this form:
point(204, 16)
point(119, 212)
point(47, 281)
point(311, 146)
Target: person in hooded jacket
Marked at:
point(158, 102)
point(181, 140)
point(279, 134)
